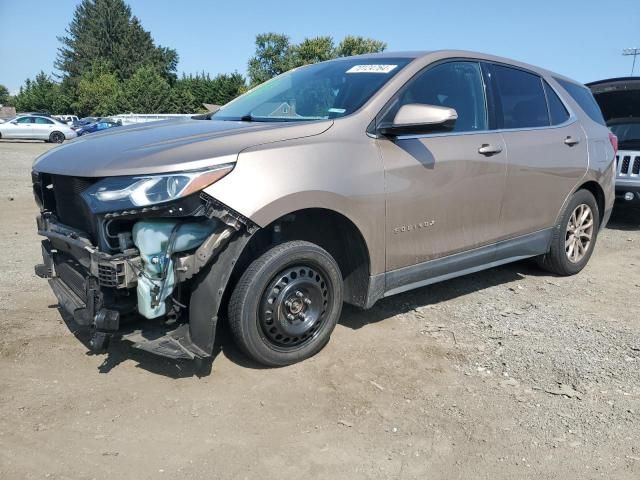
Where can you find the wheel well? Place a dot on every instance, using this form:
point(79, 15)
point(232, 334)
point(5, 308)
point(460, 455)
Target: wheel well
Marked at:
point(326, 228)
point(598, 193)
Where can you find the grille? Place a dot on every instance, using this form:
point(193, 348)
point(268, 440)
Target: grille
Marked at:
point(111, 275)
point(70, 207)
point(628, 165)
point(72, 274)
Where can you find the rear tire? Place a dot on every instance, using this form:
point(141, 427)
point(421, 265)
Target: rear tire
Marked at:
point(574, 237)
point(57, 137)
point(286, 304)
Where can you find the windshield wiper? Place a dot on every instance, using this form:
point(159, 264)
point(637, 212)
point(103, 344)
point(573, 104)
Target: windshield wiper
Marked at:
point(250, 118)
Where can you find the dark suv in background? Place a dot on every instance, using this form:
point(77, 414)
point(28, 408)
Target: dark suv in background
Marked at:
point(619, 100)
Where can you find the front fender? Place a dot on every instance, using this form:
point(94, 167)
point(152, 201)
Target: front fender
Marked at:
point(327, 172)
point(208, 290)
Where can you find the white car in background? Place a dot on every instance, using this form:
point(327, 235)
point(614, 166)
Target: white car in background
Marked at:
point(68, 119)
point(36, 127)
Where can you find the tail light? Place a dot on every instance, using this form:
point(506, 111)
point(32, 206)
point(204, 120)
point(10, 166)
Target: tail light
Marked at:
point(614, 142)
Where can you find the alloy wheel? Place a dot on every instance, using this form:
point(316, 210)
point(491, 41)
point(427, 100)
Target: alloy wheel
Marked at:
point(579, 233)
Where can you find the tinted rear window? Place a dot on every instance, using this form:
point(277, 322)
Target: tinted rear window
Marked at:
point(521, 98)
point(583, 97)
point(557, 110)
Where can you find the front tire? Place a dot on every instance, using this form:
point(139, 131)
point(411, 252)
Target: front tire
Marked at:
point(574, 236)
point(286, 304)
point(57, 137)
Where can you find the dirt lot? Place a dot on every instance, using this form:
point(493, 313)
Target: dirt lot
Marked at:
point(508, 373)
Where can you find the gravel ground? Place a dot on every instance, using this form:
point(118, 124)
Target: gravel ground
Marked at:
point(508, 373)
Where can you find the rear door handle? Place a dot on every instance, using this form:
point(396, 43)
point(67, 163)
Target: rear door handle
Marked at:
point(571, 141)
point(489, 150)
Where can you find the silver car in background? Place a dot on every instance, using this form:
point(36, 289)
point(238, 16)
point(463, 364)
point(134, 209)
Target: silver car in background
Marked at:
point(37, 127)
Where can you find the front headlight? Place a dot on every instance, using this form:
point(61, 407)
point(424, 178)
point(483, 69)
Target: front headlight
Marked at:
point(119, 193)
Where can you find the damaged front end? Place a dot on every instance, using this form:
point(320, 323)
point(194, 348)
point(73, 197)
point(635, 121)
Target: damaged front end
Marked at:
point(114, 253)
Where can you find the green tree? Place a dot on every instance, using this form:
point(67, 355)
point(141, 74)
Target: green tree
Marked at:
point(311, 50)
point(351, 45)
point(275, 54)
point(5, 98)
point(146, 92)
point(272, 57)
point(42, 94)
point(226, 87)
point(98, 93)
point(106, 31)
point(218, 90)
point(182, 100)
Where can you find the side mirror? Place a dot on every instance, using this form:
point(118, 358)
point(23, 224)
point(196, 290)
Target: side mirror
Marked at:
point(416, 118)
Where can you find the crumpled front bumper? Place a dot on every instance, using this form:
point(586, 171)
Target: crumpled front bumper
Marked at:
point(97, 290)
point(81, 296)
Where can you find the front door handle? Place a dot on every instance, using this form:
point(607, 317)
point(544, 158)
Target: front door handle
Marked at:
point(571, 141)
point(489, 150)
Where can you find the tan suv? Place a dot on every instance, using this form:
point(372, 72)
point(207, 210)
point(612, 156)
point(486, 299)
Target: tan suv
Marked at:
point(344, 181)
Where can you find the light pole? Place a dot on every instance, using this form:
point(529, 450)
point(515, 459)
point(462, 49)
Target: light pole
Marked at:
point(632, 51)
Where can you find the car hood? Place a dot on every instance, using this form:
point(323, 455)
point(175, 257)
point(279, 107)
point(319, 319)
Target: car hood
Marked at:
point(167, 146)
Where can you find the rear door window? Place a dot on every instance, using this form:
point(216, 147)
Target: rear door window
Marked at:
point(43, 121)
point(583, 97)
point(520, 98)
point(557, 110)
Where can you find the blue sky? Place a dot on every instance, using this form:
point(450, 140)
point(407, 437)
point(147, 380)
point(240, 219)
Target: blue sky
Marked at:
point(581, 39)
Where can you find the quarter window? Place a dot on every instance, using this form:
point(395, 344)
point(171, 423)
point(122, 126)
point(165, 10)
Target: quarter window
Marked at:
point(456, 85)
point(521, 100)
point(557, 110)
point(583, 97)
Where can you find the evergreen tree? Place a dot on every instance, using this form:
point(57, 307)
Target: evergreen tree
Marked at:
point(5, 98)
point(42, 94)
point(182, 99)
point(106, 31)
point(146, 92)
point(99, 92)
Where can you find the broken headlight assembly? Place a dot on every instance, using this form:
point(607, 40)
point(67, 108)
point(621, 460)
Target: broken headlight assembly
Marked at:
point(119, 193)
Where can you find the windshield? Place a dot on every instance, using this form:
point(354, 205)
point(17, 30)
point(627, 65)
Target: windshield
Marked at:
point(628, 133)
point(324, 90)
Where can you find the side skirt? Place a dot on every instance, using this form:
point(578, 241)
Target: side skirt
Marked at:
point(459, 264)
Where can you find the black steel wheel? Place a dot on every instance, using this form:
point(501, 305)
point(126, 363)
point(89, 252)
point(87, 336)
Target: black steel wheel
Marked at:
point(293, 307)
point(56, 137)
point(286, 304)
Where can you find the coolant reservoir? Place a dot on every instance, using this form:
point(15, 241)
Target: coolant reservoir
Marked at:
point(152, 239)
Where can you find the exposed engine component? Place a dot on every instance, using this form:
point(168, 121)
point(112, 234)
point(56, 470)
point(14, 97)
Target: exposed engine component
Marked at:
point(157, 241)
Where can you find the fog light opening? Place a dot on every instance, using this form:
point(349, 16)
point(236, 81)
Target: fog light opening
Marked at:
point(629, 196)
